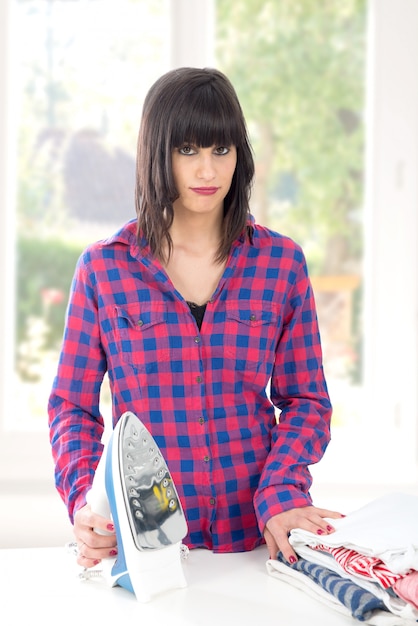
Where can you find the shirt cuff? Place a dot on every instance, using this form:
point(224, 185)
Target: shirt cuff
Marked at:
point(78, 504)
point(276, 499)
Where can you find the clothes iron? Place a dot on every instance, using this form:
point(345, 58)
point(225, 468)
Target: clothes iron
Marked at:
point(133, 487)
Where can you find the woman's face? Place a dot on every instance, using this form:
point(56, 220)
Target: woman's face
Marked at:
point(203, 177)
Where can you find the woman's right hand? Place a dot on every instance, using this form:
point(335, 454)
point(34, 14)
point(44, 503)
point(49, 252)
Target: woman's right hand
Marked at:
point(95, 536)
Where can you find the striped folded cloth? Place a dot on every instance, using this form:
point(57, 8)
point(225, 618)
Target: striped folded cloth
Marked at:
point(367, 567)
point(337, 592)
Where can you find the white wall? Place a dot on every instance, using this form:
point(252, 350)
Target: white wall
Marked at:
point(391, 271)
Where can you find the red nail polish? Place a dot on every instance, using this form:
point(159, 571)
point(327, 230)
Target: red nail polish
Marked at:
point(113, 552)
point(292, 559)
point(329, 528)
point(96, 562)
point(110, 527)
point(319, 532)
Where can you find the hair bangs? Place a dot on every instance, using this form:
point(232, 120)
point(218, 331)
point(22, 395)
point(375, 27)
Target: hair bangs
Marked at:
point(205, 119)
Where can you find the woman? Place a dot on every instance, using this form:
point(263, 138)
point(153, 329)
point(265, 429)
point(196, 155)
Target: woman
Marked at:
point(205, 323)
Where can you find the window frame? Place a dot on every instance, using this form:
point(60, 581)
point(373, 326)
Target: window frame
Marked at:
point(391, 261)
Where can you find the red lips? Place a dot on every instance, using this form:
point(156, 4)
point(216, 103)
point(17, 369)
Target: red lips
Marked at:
point(205, 191)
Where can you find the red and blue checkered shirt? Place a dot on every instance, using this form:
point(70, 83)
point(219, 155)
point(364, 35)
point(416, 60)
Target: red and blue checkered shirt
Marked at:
point(239, 409)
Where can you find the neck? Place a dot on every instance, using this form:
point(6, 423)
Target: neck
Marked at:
point(199, 232)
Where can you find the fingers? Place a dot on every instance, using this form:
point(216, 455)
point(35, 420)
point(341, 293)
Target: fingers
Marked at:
point(93, 547)
point(328, 513)
point(312, 519)
point(89, 556)
point(82, 558)
point(96, 538)
point(272, 546)
point(320, 523)
point(308, 518)
point(280, 543)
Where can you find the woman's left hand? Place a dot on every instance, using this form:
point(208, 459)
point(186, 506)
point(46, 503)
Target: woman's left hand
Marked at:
point(308, 518)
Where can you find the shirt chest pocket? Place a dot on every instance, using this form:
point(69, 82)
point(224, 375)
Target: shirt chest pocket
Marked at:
point(251, 336)
point(142, 337)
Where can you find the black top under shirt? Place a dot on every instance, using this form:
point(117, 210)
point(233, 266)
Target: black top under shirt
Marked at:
point(198, 311)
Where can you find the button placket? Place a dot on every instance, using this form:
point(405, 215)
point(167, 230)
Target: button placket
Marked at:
point(197, 341)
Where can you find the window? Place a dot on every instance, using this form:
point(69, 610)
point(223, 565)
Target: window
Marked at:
point(74, 88)
point(74, 73)
point(300, 71)
point(335, 142)
point(76, 76)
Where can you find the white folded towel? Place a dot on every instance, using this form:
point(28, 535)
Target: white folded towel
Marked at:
point(386, 528)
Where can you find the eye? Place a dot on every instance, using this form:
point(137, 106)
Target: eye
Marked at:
point(220, 150)
point(186, 150)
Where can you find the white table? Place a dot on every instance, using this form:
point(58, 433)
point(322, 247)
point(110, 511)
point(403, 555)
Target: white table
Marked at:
point(41, 585)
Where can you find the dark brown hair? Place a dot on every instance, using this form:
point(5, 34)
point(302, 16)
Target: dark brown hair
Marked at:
point(200, 107)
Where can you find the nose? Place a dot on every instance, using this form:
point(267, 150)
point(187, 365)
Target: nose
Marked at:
point(206, 167)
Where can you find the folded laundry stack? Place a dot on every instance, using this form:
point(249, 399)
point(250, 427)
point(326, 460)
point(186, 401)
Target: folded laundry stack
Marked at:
point(367, 568)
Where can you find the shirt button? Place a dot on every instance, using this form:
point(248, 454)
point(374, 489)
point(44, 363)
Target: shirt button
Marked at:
point(201, 420)
point(212, 501)
point(206, 458)
point(197, 339)
point(140, 323)
point(253, 317)
point(198, 379)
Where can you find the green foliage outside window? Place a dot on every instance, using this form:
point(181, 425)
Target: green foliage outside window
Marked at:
point(44, 271)
point(298, 67)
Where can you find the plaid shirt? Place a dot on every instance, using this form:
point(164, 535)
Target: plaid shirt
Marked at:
point(209, 397)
